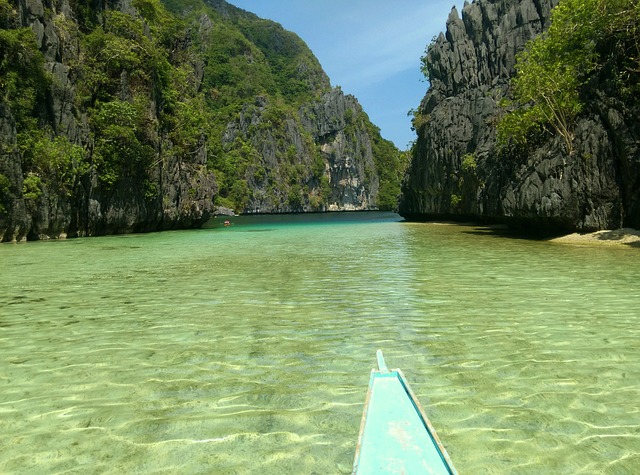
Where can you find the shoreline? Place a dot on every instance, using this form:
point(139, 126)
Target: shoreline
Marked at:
point(609, 237)
point(613, 237)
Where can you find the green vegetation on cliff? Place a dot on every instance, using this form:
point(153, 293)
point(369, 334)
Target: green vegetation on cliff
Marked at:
point(153, 101)
point(391, 164)
point(588, 40)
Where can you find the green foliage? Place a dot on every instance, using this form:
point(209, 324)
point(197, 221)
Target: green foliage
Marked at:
point(65, 27)
point(151, 10)
point(425, 65)
point(349, 116)
point(150, 190)
point(295, 196)
point(325, 188)
point(235, 68)
point(24, 85)
point(23, 81)
point(553, 68)
point(86, 14)
point(318, 167)
point(122, 46)
point(296, 73)
point(8, 15)
point(547, 85)
point(167, 29)
point(107, 56)
point(240, 194)
point(465, 182)
point(120, 148)
point(292, 154)
point(126, 66)
point(418, 119)
point(56, 161)
point(32, 187)
point(188, 125)
point(469, 164)
point(225, 202)
point(5, 193)
point(231, 168)
point(391, 165)
point(179, 7)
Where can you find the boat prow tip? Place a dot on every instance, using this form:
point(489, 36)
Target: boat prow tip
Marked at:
point(382, 366)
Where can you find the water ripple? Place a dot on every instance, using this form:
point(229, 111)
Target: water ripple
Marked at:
point(245, 352)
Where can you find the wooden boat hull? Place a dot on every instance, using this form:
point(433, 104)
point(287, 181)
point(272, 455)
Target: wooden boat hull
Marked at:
point(396, 436)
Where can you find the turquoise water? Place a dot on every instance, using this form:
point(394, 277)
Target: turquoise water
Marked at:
point(247, 349)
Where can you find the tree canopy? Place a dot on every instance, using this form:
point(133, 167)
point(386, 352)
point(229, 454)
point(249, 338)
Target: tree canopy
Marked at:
point(586, 38)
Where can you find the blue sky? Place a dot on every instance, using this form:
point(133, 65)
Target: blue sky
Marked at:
point(370, 48)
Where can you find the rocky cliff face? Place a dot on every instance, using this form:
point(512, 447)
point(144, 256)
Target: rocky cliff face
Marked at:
point(326, 145)
point(149, 120)
point(89, 208)
point(336, 124)
point(457, 170)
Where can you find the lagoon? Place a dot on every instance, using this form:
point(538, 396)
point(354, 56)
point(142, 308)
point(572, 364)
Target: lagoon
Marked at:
point(247, 349)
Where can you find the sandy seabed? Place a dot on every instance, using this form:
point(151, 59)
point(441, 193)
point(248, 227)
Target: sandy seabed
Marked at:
point(624, 236)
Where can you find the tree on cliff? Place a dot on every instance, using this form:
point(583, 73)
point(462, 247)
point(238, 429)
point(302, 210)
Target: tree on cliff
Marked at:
point(149, 114)
point(586, 38)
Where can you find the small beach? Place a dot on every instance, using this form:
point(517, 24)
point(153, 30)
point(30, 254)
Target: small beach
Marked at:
point(616, 237)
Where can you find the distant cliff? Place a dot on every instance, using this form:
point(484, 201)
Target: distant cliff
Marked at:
point(459, 171)
point(140, 115)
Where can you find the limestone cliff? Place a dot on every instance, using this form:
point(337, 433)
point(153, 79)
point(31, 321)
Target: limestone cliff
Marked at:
point(457, 170)
point(140, 115)
point(325, 148)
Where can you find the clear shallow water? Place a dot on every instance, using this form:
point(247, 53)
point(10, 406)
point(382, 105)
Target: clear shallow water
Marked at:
point(248, 349)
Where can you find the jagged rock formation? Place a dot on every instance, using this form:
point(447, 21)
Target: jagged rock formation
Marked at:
point(145, 119)
point(457, 170)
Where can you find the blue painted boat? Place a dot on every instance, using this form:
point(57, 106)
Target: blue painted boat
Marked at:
point(396, 436)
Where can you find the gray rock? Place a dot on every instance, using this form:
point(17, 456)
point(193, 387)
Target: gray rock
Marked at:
point(15, 221)
point(346, 148)
point(596, 187)
point(330, 126)
point(222, 211)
